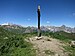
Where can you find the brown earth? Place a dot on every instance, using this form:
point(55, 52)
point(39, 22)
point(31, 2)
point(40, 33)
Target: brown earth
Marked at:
point(47, 43)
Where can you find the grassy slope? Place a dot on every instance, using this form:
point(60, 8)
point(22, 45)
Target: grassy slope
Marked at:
point(12, 44)
point(60, 35)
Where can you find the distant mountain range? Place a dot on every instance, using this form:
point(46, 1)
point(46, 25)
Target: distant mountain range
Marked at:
point(61, 28)
point(20, 29)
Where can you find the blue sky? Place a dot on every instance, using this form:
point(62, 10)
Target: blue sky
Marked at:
point(24, 12)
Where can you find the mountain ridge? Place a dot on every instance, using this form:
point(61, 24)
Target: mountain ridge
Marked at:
point(30, 29)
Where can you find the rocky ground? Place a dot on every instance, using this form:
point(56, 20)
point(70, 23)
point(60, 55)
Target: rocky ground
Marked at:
point(47, 46)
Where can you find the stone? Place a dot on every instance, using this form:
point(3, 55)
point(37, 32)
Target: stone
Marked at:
point(48, 39)
point(38, 38)
point(6, 38)
point(72, 44)
point(56, 54)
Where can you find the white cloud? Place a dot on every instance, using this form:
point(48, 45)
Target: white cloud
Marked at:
point(28, 19)
point(73, 14)
point(48, 22)
point(5, 24)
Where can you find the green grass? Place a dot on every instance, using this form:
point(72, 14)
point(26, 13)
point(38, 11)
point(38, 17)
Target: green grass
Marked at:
point(14, 45)
point(24, 52)
point(28, 35)
point(70, 50)
point(63, 36)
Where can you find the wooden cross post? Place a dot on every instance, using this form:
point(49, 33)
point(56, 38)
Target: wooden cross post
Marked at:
point(39, 31)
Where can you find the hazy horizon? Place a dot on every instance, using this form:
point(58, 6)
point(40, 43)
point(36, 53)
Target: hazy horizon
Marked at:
point(35, 26)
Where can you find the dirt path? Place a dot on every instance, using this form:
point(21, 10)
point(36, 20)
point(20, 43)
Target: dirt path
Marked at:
point(46, 45)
